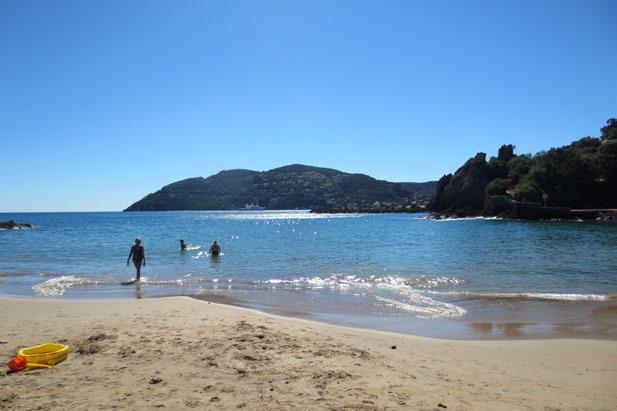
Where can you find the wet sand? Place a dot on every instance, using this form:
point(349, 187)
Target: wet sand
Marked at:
point(486, 320)
point(183, 353)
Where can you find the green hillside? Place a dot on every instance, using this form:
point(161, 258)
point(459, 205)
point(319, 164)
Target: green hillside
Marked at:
point(294, 186)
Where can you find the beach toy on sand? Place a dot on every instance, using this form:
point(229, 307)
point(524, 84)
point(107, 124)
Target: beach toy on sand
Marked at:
point(18, 363)
point(40, 356)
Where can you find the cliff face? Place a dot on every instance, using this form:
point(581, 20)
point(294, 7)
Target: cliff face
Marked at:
point(463, 194)
point(290, 187)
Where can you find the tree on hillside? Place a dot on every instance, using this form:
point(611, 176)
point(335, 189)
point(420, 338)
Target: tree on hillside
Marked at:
point(609, 131)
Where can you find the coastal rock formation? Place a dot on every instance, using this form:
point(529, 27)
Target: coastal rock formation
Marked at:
point(11, 224)
point(291, 187)
point(463, 194)
point(505, 153)
point(580, 176)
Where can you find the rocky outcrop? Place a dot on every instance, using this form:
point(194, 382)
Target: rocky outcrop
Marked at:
point(11, 224)
point(576, 181)
point(499, 206)
point(505, 153)
point(463, 193)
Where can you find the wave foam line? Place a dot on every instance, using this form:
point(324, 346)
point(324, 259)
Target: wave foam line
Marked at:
point(465, 218)
point(385, 281)
point(55, 287)
point(524, 296)
point(424, 307)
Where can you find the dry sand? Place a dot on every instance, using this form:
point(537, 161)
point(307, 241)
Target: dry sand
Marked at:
point(183, 353)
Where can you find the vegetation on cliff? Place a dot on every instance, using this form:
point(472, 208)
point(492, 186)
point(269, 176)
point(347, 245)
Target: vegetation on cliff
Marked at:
point(291, 187)
point(582, 174)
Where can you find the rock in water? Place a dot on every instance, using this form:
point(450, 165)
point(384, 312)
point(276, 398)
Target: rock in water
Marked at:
point(11, 224)
point(463, 193)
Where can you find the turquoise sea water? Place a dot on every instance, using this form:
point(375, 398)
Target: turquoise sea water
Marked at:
point(399, 272)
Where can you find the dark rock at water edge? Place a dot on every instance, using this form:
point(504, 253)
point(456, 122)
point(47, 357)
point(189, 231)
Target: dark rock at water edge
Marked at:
point(598, 215)
point(507, 208)
point(463, 194)
point(11, 224)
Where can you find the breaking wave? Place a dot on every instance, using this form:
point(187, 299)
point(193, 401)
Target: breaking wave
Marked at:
point(55, 287)
point(425, 307)
point(403, 293)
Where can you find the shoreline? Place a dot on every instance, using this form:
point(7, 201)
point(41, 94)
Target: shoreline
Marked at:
point(179, 352)
point(577, 320)
point(474, 329)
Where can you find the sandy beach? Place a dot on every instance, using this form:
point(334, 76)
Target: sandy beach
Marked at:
point(183, 353)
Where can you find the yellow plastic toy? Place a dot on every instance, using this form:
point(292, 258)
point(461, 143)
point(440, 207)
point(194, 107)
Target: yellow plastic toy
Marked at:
point(44, 355)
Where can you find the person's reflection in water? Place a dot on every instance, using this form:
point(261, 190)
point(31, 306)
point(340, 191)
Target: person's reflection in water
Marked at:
point(138, 290)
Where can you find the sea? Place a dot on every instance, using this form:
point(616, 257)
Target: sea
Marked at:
point(460, 278)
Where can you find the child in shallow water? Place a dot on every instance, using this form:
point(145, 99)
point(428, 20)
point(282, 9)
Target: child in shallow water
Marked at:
point(138, 252)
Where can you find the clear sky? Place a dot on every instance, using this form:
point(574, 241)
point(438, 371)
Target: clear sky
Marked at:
point(103, 102)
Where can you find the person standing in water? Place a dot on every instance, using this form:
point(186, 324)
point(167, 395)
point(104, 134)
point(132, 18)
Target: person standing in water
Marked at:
point(138, 253)
point(182, 245)
point(215, 250)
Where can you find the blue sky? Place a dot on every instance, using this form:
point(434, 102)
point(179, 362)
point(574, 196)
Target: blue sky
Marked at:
point(103, 102)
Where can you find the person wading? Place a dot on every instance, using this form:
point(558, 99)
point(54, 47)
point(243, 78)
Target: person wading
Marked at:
point(139, 257)
point(215, 250)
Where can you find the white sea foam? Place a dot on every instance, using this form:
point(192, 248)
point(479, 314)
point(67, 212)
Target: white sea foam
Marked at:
point(465, 218)
point(154, 281)
point(523, 296)
point(389, 281)
point(57, 286)
point(404, 293)
point(201, 254)
point(204, 254)
point(424, 307)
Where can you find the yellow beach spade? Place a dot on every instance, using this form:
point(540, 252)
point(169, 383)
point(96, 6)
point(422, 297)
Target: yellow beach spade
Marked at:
point(40, 356)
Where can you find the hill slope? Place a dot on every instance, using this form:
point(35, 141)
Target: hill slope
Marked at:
point(289, 187)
